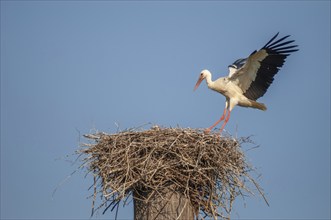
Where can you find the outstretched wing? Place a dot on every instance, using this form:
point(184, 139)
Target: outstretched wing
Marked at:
point(257, 72)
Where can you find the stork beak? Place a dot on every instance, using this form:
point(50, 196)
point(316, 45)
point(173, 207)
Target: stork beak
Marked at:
point(198, 83)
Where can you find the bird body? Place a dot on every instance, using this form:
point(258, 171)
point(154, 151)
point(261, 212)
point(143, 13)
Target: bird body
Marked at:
point(232, 92)
point(249, 78)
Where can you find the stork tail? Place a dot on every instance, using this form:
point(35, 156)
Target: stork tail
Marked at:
point(258, 105)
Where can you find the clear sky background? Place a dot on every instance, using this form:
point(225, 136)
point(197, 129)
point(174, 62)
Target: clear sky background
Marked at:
point(68, 67)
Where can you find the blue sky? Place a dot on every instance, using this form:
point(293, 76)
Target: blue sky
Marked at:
point(68, 67)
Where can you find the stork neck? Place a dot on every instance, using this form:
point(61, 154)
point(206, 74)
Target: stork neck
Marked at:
point(209, 81)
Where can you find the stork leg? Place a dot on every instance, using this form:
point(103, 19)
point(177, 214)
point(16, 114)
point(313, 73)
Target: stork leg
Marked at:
point(225, 121)
point(217, 122)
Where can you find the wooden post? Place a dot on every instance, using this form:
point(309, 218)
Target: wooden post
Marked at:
point(170, 206)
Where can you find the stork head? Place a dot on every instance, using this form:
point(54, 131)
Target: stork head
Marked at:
point(203, 75)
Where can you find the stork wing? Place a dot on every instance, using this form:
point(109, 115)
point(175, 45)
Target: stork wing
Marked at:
point(256, 75)
point(235, 66)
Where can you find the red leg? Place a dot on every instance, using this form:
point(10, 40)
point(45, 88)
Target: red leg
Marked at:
point(226, 121)
point(216, 123)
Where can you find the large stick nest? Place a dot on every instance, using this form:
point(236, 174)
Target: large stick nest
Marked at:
point(208, 170)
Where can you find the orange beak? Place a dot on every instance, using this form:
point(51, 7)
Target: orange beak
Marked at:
point(198, 82)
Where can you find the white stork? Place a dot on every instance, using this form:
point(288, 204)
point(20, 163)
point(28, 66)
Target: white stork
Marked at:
point(249, 78)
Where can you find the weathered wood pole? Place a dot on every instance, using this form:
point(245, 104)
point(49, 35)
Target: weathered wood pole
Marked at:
point(169, 206)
